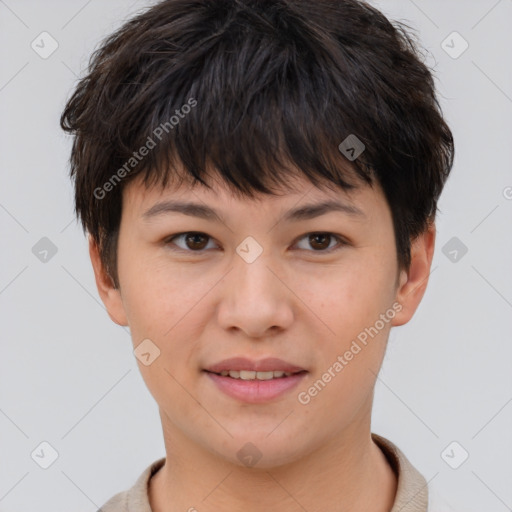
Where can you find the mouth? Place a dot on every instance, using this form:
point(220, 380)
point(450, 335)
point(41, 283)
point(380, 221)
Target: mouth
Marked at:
point(254, 375)
point(256, 382)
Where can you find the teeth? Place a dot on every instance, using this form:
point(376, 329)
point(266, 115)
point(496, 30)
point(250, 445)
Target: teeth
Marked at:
point(247, 375)
point(252, 375)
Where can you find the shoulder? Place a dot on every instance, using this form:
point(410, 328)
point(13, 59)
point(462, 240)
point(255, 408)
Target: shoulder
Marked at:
point(118, 503)
point(136, 498)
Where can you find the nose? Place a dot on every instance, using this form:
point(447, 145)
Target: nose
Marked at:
point(255, 299)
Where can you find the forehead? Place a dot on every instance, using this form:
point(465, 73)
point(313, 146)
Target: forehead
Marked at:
point(139, 195)
point(300, 200)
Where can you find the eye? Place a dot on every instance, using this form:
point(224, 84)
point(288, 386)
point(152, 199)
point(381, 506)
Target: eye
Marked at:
point(195, 241)
point(320, 241)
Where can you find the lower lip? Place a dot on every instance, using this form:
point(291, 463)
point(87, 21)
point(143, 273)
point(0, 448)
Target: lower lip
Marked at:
point(256, 391)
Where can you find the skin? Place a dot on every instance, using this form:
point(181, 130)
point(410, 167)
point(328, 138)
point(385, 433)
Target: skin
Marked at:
point(294, 302)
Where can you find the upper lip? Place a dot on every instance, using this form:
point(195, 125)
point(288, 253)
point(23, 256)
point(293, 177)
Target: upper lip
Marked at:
point(263, 365)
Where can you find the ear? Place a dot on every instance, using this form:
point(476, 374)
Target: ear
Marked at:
point(413, 284)
point(110, 296)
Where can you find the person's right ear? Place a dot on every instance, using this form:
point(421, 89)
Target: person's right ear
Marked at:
point(110, 295)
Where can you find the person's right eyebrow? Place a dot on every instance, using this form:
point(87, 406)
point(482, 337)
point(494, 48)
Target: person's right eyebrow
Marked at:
point(184, 207)
point(305, 212)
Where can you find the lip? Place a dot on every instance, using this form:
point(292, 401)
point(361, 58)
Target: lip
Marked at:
point(256, 391)
point(263, 365)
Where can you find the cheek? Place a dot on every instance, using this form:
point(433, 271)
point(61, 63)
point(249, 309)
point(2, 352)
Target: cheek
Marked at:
point(167, 305)
point(348, 304)
point(157, 295)
point(166, 308)
point(350, 347)
point(347, 298)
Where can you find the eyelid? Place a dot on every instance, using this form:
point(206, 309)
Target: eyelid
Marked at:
point(342, 241)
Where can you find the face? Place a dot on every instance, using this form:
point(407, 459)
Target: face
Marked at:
point(313, 294)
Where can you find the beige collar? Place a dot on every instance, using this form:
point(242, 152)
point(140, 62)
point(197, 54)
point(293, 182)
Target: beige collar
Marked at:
point(411, 494)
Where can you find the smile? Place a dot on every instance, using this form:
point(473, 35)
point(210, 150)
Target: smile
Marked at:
point(255, 387)
point(253, 375)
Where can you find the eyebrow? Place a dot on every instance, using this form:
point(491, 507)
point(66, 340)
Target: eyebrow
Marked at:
point(309, 211)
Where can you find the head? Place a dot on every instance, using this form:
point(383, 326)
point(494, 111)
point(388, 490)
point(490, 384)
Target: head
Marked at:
point(240, 107)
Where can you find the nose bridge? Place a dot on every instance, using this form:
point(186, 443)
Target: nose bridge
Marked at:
point(251, 267)
point(254, 299)
point(253, 282)
point(253, 278)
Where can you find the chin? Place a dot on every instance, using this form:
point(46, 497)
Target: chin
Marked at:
point(259, 451)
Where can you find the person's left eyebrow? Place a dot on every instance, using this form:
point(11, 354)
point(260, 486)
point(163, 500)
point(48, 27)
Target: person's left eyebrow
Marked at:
point(309, 211)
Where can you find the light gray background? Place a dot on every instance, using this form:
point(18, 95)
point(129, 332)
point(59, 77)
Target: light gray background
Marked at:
point(67, 373)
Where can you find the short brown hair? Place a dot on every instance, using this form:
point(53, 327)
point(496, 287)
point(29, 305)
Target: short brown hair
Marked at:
point(275, 82)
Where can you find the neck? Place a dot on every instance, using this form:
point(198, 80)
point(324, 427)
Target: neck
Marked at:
point(350, 473)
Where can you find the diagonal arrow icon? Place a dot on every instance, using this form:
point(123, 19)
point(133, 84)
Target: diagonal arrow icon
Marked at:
point(454, 253)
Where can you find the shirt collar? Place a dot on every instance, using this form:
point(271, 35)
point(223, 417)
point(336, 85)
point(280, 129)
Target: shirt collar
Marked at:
point(412, 491)
point(411, 494)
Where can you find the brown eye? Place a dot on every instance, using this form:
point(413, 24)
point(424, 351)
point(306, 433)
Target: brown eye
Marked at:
point(321, 242)
point(193, 241)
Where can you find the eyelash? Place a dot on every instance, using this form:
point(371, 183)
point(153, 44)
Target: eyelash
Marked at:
point(341, 242)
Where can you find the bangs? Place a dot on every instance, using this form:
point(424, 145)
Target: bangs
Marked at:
point(241, 106)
